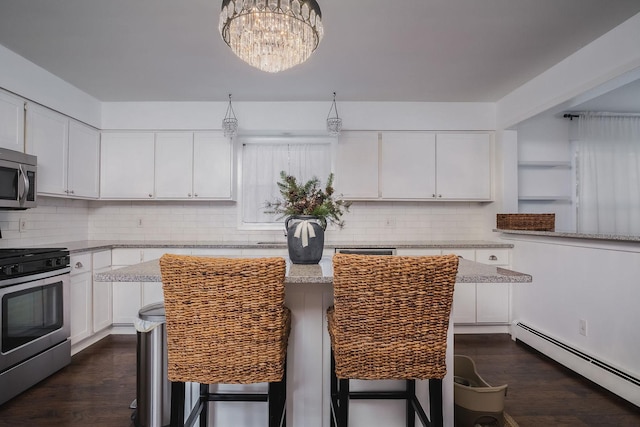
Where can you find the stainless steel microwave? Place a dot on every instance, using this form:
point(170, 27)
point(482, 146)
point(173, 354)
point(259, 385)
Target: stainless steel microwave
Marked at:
point(17, 180)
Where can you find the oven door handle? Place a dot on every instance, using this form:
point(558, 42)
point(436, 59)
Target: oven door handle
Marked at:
point(23, 185)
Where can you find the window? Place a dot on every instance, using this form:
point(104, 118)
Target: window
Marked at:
point(262, 159)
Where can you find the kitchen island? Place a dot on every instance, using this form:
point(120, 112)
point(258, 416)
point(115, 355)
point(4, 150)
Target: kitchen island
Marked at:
point(308, 294)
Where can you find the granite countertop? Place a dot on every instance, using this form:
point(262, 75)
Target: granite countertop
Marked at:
point(94, 245)
point(572, 235)
point(321, 273)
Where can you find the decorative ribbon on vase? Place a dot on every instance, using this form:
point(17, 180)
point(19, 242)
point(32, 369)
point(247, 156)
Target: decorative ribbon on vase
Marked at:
point(304, 230)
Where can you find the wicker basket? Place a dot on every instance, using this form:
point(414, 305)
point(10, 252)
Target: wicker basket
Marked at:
point(533, 222)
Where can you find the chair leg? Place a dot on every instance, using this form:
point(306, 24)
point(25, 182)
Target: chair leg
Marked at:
point(204, 414)
point(277, 401)
point(343, 403)
point(411, 396)
point(177, 404)
point(277, 404)
point(333, 392)
point(435, 403)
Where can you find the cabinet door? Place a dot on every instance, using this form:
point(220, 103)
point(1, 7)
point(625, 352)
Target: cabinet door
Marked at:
point(173, 165)
point(492, 303)
point(463, 166)
point(357, 165)
point(127, 300)
point(47, 138)
point(84, 161)
point(127, 165)
point(493, 299)
point(81, 297)
point(11, 122)
point(407, 165)
point(464, 303)
point(212, 166)
point(81, 304)
point(102, 293)
point(151, 293)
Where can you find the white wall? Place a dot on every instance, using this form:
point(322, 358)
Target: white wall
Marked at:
point(300, 117)
point(605, 59)
point(34, 83)
point(574, 280)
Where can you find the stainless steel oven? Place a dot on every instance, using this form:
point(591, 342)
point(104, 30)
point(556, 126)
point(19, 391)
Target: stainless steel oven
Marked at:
point(34, 317)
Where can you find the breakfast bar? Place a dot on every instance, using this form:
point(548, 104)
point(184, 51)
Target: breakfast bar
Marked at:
point(308, 294)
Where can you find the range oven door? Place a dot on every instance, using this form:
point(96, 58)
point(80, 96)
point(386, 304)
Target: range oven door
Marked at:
point(34, 316)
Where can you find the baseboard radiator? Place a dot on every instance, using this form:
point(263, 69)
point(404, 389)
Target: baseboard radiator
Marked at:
point(602, 373)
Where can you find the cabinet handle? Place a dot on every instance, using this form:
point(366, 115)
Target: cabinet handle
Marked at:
point(79, 265)
point(72, 192)
point(188, 194)
point(433, 195)
point(493, 258)
point(439, 195)
point(150, 195)
point(195, 195)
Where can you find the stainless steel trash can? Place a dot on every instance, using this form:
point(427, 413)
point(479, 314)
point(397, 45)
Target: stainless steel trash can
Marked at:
point(153, 389)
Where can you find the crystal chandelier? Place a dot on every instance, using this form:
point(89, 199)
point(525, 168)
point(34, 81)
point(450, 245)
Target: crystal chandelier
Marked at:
point(271, 35)
point(230, 123)
point(334, 123)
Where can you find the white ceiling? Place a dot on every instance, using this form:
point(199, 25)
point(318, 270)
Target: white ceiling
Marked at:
point(373, 50)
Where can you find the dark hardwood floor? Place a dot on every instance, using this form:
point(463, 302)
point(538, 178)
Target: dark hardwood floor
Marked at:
point(98, 386)
point(95, 390)
point(542, 392)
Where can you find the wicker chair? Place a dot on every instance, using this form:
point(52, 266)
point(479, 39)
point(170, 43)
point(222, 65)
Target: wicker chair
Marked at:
point(226, 323)
point(389, 321)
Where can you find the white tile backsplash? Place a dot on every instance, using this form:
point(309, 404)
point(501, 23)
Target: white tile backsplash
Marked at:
point(62, 220)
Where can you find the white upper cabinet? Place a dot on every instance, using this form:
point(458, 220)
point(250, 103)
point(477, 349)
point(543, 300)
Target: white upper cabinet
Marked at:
point(212, 166)
point(406, 165)
point(193, 165)
point(68, 153)
point(357, 165)
point(83, 177)
point(414, 166)
point(173, 165)
point(127, 165)
point(11, 122)
point(463, 166)
point(48, 138)
point(166, 166)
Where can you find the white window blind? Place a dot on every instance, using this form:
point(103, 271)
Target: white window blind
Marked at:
point(262, 162)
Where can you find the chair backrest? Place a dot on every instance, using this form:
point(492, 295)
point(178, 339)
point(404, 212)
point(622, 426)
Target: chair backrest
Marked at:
point(391, 315)
point(225, 317)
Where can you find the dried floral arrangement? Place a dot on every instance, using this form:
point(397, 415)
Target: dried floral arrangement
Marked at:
point(308, 198)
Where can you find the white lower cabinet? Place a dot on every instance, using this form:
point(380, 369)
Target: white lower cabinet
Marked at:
point(130, 297)
point(81, 304)
point(102, 293)
point(476, 303)
point(493, 299)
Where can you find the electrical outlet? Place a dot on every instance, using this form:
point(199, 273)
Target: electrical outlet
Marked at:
point(583, 327)
point(139, 223)
point(390, 222)
point(22, 225)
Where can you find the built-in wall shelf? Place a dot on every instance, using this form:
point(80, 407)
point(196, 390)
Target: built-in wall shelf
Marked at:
point(545, 164)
